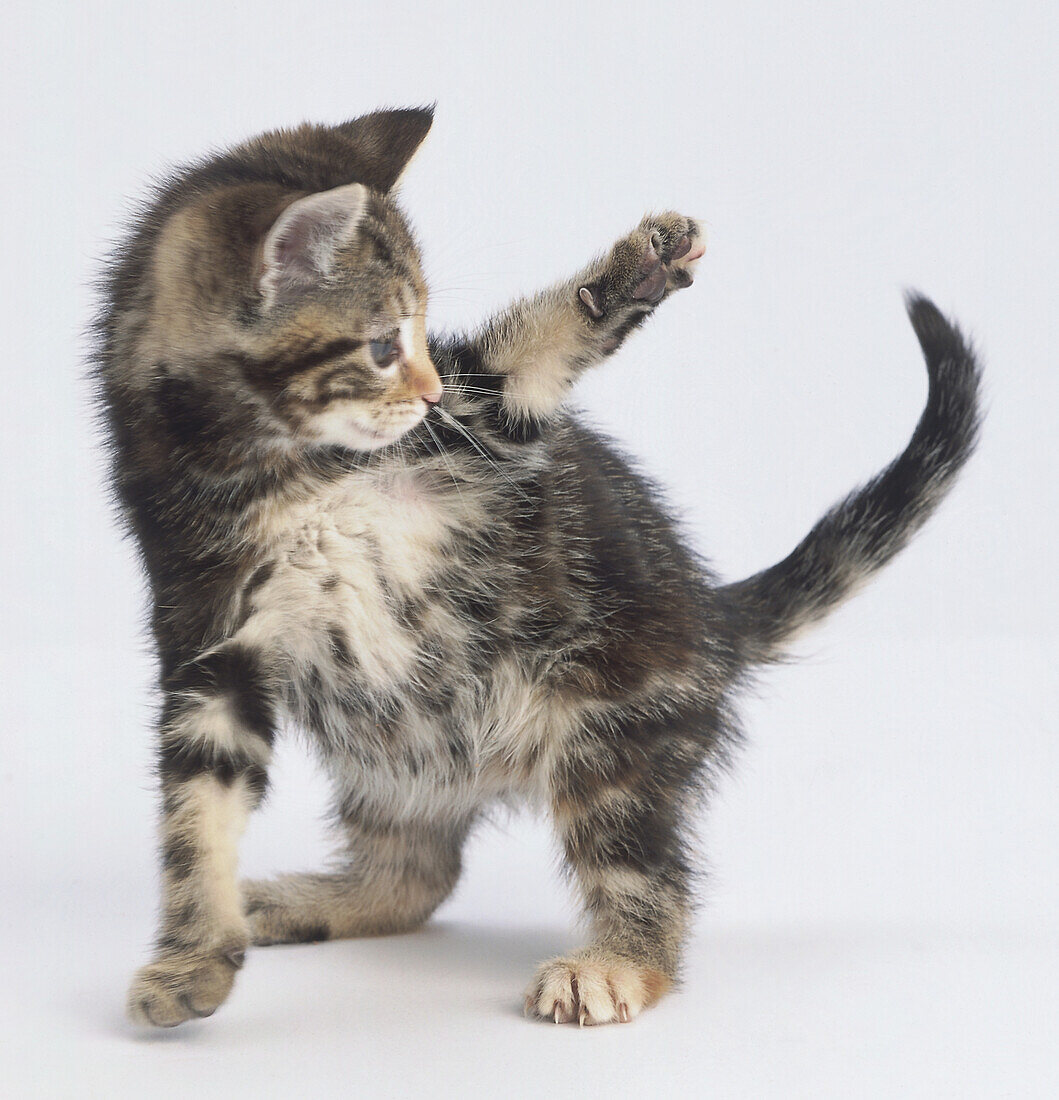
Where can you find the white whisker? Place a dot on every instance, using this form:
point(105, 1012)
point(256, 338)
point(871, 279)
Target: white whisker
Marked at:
point(444, 458)
point(477, 445)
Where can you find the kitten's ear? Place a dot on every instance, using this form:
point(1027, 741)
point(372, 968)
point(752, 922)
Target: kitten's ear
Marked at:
point(299, 250)
point(385, 142)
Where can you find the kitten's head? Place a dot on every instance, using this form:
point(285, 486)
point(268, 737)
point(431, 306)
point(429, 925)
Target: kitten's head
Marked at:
point(301, 308)
point(341, 319)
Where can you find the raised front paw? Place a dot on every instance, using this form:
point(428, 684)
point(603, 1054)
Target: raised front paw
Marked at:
point(175, 988)
point(657, 257)
point(593, 987)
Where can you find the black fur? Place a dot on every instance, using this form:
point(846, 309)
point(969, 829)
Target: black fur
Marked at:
point(493, 605)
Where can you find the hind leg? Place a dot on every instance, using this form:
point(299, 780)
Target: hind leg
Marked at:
point(620, 801)
point(397, 875)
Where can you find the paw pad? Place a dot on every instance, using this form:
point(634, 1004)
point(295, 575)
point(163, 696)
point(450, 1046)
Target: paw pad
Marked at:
point(656, 258)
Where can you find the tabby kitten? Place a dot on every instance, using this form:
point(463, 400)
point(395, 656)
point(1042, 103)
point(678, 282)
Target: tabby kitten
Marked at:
point(404, 545)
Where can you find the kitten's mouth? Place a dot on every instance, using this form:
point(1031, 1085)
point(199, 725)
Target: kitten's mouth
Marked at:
point(363, 438)
point(346, 429)
point(373, 439)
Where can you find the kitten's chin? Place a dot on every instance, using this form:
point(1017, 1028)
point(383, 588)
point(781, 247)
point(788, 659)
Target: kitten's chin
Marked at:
point(342, 429)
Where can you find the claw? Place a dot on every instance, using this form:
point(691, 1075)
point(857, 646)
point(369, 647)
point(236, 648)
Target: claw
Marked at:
point(558, 1020)
point(623, 1012)
point(586, 296)
point(237, 956)
point(583, 1015)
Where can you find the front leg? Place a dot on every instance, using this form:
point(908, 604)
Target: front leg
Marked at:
point(533, 351)
point(214, 748)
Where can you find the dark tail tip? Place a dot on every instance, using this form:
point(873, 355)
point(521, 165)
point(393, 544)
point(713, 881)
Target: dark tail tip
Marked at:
point(952, 419)
point(925, 316)
point(940, 339)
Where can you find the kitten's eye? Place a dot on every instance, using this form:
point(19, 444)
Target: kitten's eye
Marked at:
point(384, 352)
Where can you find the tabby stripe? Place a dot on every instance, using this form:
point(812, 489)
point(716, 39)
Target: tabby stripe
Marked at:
point(236, 671)
point(331, 350)
point(280, 368)
point(181, 760)
point(384, 253)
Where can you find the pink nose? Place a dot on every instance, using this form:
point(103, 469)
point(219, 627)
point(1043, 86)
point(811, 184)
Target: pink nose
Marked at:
point(431, 398)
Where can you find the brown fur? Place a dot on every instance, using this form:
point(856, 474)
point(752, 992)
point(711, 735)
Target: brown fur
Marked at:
point(406, 546)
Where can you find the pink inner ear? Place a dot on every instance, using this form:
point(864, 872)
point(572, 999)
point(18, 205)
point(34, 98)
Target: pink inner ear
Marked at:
point(300, 247)
point(291, 249)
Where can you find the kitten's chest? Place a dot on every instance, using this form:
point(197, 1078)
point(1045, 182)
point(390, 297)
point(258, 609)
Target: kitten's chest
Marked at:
point(390, 534)
point(354, 589)
point(387, 666)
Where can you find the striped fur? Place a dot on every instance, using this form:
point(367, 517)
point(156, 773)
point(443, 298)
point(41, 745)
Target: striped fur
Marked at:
point(404, 545)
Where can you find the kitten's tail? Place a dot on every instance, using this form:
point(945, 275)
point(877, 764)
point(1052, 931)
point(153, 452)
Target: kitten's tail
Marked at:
point(863, 532)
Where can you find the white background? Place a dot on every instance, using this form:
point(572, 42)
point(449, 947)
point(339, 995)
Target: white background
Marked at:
point(881, 915)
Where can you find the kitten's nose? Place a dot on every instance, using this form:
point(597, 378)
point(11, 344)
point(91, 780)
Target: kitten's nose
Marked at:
point(423, 379)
